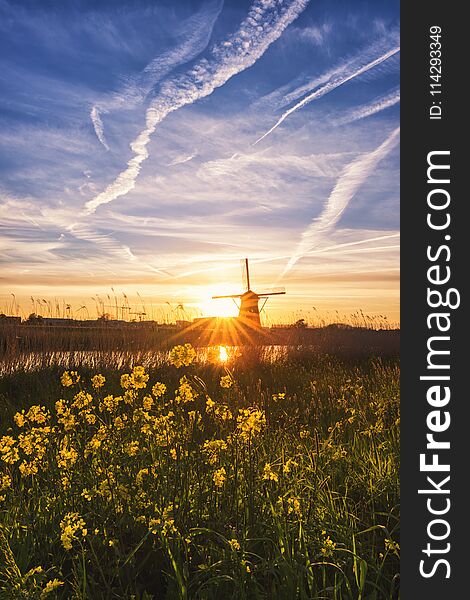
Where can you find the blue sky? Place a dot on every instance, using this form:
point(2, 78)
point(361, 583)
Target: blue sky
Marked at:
point(148, 146)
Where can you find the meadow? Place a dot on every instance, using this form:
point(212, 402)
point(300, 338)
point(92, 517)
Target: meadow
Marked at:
point(201, 475)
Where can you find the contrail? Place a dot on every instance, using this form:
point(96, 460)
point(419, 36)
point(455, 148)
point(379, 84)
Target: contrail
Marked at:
point(194, 33)
point(265, 22)
point(356, 243)
point(372, 108)
point(331, 85)
point(352, 178)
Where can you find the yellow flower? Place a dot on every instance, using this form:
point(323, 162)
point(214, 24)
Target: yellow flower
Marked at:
point(98, 381)
point(139, 478)
point(269, 474)
point(65, 415)
point(173, 453)
point(250, 422)
point(226, 381)
point(219, 477)
point(277, 397)
point(118, 423)
point(111, 402)
point(234, 544)
point(132, 448)
point(86, 494)
point(159, 389)
point(288, 466)
point(304, 433)
point(71, 524)
point(28, 468)
point(212, 450)
point(81, 400)
point(125, 381)
point(69, 378)
point(5, 482)
point(67, 456)
point(392, 546)
point(185, 392)
point(293, 506)
point(50, 587)
point(19, 419)
point(139, 378)
point(147, 402)
point(223, 412)
point(328, 546)
point(90, 418)
point(182, 355)
point(37, 414)
point(8, 450)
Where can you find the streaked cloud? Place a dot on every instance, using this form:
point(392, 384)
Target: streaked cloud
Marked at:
point(352, 178)
point(264, 24)
point(329, 82)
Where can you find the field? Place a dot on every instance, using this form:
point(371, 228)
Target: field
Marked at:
point(200, 475)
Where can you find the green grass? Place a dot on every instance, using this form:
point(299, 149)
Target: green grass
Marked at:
point(303, 506)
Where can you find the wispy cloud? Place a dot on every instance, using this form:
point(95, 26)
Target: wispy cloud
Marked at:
point(327, 83)
point(180, 160)
point(192, 38)
point(352, 178)
point(264, 24)
point(372, 108)
point(98, 126)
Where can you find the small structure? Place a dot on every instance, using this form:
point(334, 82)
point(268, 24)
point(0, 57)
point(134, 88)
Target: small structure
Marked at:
point(249, 310)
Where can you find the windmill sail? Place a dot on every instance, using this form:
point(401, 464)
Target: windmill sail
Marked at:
point(249, 301)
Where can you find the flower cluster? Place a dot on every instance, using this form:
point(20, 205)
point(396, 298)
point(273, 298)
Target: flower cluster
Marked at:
point(72, 526)
point(251, 421)
point(182, 355)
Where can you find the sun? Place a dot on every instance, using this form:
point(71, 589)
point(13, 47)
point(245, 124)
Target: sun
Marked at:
point(223, 354)
point(221, 307)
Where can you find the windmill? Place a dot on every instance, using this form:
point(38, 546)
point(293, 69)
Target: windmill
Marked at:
point(249, 310)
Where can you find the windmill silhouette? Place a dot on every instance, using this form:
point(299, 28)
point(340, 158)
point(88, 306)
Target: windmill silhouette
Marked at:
point(249, 310)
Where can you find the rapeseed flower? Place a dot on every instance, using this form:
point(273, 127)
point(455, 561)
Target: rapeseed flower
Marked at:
point(250, 421)
point(159, 389)
point(98, 381)
point(182, 355)
point(20, 419)
point(269, 474)
point(226, 381)
point(212, 450)
point(37, 414)
point(219, 477)
point(8, 450)
point(69, 378)
point(234, 544)
point(71, 525)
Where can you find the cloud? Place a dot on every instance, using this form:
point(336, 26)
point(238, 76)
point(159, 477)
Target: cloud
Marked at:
point(264, 24)
point(329, 82)
point(98, 126)
point(372, 108)
point(192, 37)
point(180, 160)
point(352, 178)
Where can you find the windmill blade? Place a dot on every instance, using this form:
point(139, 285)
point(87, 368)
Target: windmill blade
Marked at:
point(270, 294)
point(244, 273)
point(228, 296)
point(273, 291)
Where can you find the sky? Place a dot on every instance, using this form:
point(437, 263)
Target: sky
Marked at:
point(146, 147)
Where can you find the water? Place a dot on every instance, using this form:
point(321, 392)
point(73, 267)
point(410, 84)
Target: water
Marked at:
point(118, 359)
